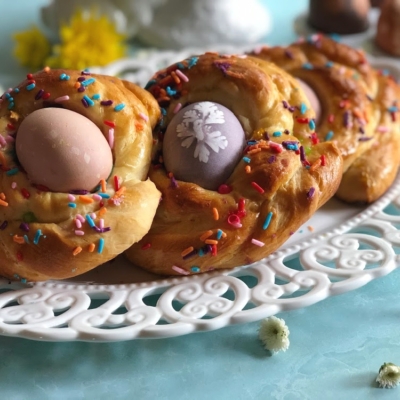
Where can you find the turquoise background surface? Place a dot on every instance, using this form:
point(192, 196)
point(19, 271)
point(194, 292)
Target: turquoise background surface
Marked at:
point(337, 346)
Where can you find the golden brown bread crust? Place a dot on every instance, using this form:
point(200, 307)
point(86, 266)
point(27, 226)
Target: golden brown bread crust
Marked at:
point(294, 184)
point(359, 108)
point(47, 250)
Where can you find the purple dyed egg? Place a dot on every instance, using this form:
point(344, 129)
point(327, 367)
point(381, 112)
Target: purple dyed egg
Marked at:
point(203, 144)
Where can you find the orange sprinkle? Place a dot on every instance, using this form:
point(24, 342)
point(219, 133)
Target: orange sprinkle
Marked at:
point(165, 81)
point(102, 211)
point(3, 160)
point(310, 228)
point(215, 214)
point(46, 69)
point(85, 199)
point(175, 78)
point(206, 235)
point(18, 239)
point(211, 241)
point(2, 196)
point(77, 85)
point(234, 74)
point(91, 247)
point(77, 250)
point(3, 203)
point(247, 169)
point(103, 186)
point(315, 165)
point(165, 98)
point(187, 251)
point(357, 113)
point(120, 191)
point(138, 126)
point(254, 151)
point(224, 235)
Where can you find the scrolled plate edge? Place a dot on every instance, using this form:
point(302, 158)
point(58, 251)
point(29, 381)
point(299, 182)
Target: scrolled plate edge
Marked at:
point(329, 263)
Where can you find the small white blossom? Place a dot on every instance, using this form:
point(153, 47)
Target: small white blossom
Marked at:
point(274, 334)
point(388, 376)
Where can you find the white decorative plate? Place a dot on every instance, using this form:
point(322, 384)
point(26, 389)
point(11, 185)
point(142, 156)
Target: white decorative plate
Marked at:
point(340, 249)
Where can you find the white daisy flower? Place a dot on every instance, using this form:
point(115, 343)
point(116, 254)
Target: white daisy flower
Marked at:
point(388, 376)
point(274, 334)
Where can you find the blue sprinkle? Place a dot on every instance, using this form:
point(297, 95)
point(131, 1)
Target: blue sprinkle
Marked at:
point(62, 76)
point(104, 195)
point(277, 134)
point(246, 160)
point(10, 106)
point(12, 171)
point(385, 72)
point(292, 147)
point(89, 100)
point(72, 205)
point(101, 245)
point(201, 253)
point(90, 221)
point(329, 64)
point(16, 276)
point(392, 109)
point(150, 84)
point(308, 66)
point(311, 124)
point(26, 239)
point(303, 108)
point(307, 167)
point(96, 96)
point(251, 142)
point(329, 135)
point(31, 86)
point(336, 37)
point(119, 107)
point(8, 95)
point(192, 62)
point(163, 111)
point(88, 82)
point(267, 220)
point(16, 90)
point(37, 236)
point(195, 268)
point(23, 280)
point(219, 234)
point(180, 66)
point(170, 91)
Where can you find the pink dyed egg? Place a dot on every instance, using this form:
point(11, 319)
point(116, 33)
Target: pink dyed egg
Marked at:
point(63, 150)
point(203, 144)
point(312, 98)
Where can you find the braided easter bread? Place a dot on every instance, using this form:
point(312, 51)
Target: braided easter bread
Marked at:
point(56, 234)
point(359, 111)
point(275, 183)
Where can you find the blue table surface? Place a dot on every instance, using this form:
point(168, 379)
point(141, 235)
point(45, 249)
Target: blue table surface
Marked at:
point(337, 346)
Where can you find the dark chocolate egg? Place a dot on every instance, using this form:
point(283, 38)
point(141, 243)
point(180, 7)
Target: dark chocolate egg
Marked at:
point(203, 144)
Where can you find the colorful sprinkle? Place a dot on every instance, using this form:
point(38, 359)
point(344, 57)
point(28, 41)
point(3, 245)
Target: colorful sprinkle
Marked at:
point(101, 246)
point(311, 124)
point(30, 86)
point(37, 236)
point(187, 251)
point(88, 82)
point(146, 246)
point(91, 247)
point(111, 138)
point(79, 232)
point(119, 107)
point(234, 221)
point(177, 108)
point(329, 136)
point(180, 270)
point(90, 221)
point(72, 205)
point(277, 134)
point(77, 250)
point(220, 234)
point(303, 108)
point(257, 187)
point(224, 189)
point(246, 159)
point(310, 193)
point(267, 220)
point(88, 100)
point(215, 214)
point(3, 225)
point(12, 171)
point(257, 242)
point(96, 96)
point(195, 269)
point(61, 99)
point(106, 102)
point(25, 193)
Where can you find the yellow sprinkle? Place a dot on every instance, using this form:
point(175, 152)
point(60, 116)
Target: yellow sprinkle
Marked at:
point(77, 250)
point(206, 235)
point(91, 248)
point(187, 251)
point(211, 241)
point(215, 214)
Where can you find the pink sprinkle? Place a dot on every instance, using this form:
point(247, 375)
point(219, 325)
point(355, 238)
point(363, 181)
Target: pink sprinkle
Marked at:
point(144, 116)
point(79, 233)
point(78, 224)
point(93, 215)
point(71, 197)
point(182, 75)
point(10, 139)
point(14, 185)
point(3, 142)
point(234, 220)
point(79, 216)
point(101, 223)
point(61, 99)
point(9, 90)
point(177, 108)
point(111, 138)
point(180, 270)
point(257, 242)
point(382, 129)
point(97, 197)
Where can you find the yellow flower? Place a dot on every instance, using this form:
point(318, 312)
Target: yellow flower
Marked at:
point(88, 40)
point(31, 48)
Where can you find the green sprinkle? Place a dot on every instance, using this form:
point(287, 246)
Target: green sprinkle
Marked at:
point(267, 220)
point(119, 107)
point(101, 245)
point(29, 217)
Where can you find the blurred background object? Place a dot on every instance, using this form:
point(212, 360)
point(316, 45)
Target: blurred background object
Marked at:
point(339, 16)
point(388, 28)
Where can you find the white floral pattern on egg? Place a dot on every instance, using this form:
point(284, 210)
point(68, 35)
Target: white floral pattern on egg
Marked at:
point(203, 144)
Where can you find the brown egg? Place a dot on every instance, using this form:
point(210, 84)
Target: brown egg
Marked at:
point(63, 150)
